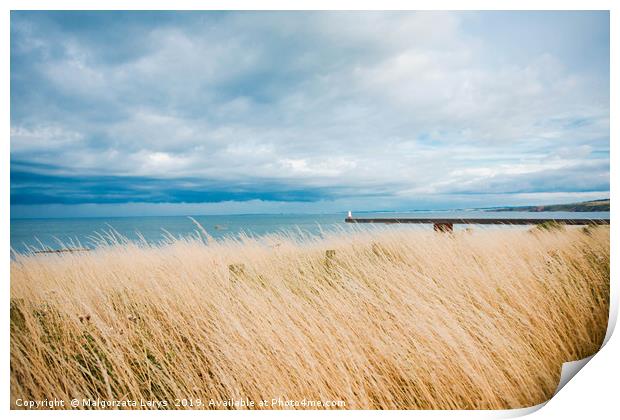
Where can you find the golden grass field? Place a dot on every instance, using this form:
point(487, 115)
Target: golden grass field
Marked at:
point(391, 318)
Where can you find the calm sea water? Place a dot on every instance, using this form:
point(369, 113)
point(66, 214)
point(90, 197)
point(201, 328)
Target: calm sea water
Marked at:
point(50, 232)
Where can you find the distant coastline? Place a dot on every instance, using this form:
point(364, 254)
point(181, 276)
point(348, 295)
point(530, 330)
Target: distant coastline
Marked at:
point(594, 205)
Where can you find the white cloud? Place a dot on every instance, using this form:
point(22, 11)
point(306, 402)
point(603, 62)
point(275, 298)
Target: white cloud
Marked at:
point(404, 103)
point(43, 138)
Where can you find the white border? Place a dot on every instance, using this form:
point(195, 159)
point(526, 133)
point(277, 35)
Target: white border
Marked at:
point(593, 394)
point(311, 5)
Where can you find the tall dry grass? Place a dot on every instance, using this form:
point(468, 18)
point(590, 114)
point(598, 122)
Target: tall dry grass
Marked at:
point(393, 319)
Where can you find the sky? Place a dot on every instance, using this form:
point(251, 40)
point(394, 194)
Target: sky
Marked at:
point(162, 113)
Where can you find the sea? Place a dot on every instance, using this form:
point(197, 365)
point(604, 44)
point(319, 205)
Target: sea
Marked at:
point(56, 233)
